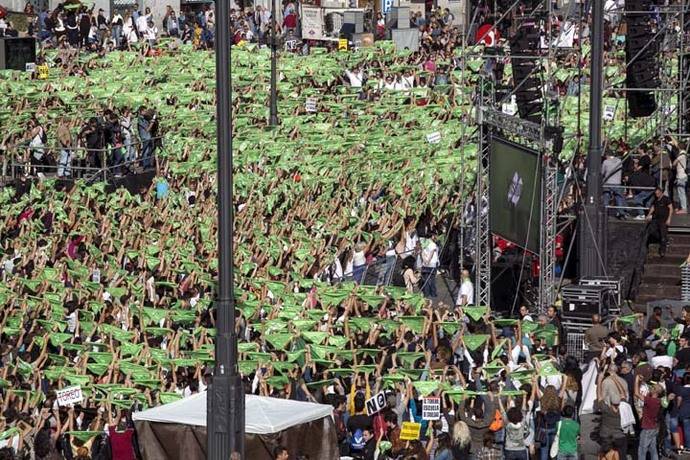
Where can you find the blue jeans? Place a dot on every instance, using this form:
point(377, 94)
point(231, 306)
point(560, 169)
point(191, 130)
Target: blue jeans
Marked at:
point(686, 430)
point(117, 35)
point(648, 444)
point(546, 447)
point(617, 193)
point(65, 163)
point(147, 152)
point(358, 273)
point(681, 193)
point(130, 151)
point(429, 282)
point(641, 199)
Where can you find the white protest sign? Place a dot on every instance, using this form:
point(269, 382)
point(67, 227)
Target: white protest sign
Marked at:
point(69, 396)
point(609, 113)
point(431, 408)
point(433, 138)
point(310, 105)
point(30, 66)
point(376, 403)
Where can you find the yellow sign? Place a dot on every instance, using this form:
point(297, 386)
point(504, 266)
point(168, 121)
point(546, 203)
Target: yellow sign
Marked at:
point(342, 44)
point(410, 431)
point(43, 72)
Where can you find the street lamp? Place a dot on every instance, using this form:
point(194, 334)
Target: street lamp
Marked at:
point(225, 396)
point(273, 121)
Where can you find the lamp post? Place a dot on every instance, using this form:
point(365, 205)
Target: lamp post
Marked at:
point(592, 217)
point(225, 397)
point(273, 121)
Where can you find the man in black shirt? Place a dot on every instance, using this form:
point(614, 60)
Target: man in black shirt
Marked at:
point(659, 218)
point(682, 358)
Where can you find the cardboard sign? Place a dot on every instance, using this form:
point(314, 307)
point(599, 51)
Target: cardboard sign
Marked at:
point(376, 403)
point(310, 105)
point(609, 113)
point(69, 396)
point(433, 138)
point(410, 431)
point(43, 72)
point(30, 66)
point(431, 408)
point(342, 44)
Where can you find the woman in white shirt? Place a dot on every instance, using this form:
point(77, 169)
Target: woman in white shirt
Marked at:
point(680, 165)
point(359, 263)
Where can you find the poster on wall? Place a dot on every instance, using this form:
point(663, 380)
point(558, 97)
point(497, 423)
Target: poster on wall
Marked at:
point(312, 23)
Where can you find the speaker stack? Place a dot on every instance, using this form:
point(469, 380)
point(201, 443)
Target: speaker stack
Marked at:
point(398, 21)
point(16, 53)
point(527, 83)
point(641, 56)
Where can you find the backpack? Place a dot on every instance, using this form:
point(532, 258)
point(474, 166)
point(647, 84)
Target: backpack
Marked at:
point(357, 441)
point(497, 423)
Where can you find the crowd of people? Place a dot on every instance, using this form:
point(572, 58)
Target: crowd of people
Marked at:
point(113, 291)
point(112, 143)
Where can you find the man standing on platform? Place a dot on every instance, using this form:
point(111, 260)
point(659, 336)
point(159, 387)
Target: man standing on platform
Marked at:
point(659, 217)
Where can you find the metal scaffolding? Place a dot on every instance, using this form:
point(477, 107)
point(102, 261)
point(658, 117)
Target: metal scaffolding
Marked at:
point(549, 216)
point(483, 240)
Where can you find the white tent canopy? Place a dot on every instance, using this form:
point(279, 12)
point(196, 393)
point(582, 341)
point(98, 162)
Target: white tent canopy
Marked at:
point(263, 415)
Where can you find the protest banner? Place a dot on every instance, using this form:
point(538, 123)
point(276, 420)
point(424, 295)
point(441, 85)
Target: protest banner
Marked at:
point(431, 408)
point(410, 431)
point(69, 396)
point(376, 403)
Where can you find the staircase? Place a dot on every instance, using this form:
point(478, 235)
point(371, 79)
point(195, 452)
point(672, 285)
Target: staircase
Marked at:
point(661, 278)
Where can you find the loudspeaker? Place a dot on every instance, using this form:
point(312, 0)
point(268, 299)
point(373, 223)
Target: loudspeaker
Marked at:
point(398, 18)
point(526, 73)
point(355, 18)
point(406, 39)
point(641, 57)
point(347, 30)
point(16, 53)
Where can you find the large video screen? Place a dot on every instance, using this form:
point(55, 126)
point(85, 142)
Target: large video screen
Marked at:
point(515, 193)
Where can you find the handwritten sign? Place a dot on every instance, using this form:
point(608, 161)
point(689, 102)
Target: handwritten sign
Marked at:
point(410, 431)
point(431, 408)
point(69, 396)
point(30, 66)
point(310, 105)
point(433, 138)
point(342, 44)
point(43, 72)
point(376, 403)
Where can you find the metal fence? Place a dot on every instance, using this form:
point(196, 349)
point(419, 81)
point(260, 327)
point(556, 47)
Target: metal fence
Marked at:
point(72, 163)
point(685, 282)
point(575, 344)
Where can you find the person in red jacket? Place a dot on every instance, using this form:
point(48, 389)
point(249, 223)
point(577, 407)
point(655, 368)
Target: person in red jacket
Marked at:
point(121, 442)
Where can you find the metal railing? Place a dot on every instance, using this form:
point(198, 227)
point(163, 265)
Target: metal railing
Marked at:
point(95, 162)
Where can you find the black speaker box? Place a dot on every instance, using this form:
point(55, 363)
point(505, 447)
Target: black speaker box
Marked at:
point(16, 53)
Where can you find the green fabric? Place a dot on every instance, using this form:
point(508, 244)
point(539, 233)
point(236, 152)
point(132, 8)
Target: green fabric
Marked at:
point(568, 437)
point(426, 388)
point(279, 341)
point(475, 313)
point(414, 323)
point(474, 341)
